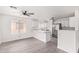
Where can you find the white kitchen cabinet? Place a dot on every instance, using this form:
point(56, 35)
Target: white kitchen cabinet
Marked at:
point(44, 36)
point(68, 40)
point(74, 22)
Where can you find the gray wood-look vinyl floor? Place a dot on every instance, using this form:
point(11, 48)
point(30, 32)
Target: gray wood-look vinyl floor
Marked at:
point(30, 45)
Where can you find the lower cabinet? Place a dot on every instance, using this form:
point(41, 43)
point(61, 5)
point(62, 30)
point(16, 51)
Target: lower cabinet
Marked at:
point(68, 40)
point(42, 35)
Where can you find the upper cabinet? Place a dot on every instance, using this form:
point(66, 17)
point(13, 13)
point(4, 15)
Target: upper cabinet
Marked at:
point(74, 21)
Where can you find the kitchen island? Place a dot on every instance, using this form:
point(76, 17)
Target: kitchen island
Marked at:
point(68, 40)
point(41, 35)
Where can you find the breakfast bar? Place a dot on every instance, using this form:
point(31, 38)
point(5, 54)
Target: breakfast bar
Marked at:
point(68, 39)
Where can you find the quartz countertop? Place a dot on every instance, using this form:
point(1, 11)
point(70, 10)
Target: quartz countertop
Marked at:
point(68, 28)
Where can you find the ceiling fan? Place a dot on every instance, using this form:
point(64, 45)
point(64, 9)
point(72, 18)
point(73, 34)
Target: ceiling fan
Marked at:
point(23, 12)
point(26, 13)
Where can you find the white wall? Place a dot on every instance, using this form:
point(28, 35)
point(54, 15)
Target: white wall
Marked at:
point(7, 35)
point(0, 30)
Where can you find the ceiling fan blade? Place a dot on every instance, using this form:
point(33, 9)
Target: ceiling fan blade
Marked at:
point(30, 13)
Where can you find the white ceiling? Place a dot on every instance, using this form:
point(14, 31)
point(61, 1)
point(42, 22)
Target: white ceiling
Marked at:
point(45, 12)
point(50, 11)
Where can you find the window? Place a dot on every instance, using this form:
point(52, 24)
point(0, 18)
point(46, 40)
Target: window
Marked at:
point(18, 26)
